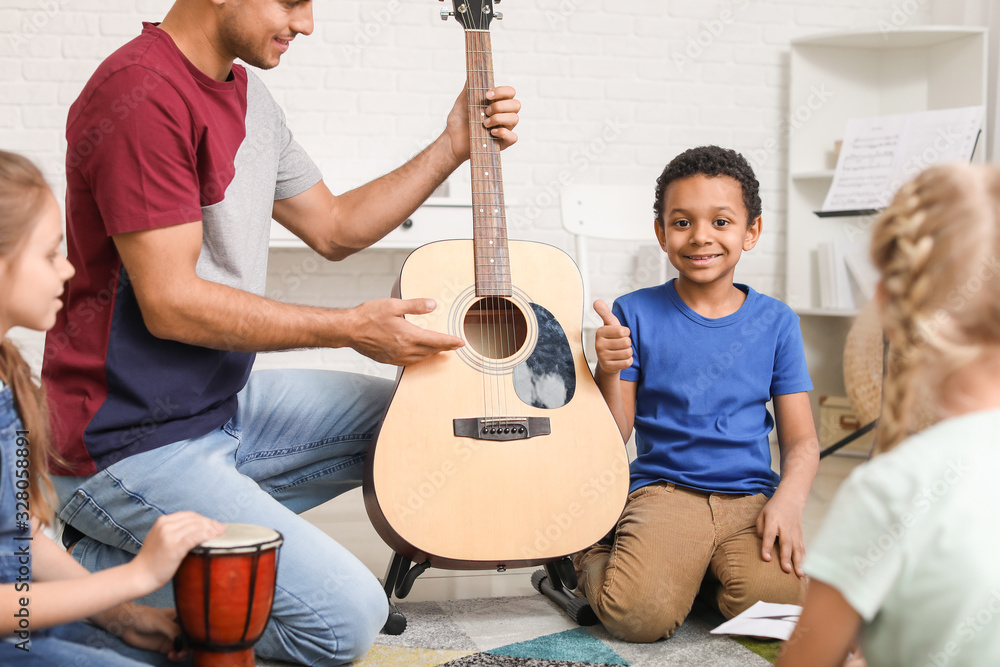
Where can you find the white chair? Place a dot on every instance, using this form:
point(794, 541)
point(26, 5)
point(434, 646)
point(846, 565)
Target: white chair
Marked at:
point(616, 213)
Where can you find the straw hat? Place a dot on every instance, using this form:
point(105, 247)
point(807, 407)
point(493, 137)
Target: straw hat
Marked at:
point(863, 366)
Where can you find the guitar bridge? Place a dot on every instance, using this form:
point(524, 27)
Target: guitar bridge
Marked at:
point(502, 428)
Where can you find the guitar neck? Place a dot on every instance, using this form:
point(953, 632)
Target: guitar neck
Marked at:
point(489, 226)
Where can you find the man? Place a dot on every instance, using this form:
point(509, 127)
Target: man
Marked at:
point(177, 160)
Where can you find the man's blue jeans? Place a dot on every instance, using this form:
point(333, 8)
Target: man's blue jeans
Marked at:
point(298, 439)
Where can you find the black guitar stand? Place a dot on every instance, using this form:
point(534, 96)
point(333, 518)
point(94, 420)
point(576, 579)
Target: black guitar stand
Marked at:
point(399, 578)
point(867, 428)
point(556, 582)
point(848, 439)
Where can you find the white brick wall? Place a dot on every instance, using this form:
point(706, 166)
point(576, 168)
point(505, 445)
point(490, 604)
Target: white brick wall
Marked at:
point(373, 83)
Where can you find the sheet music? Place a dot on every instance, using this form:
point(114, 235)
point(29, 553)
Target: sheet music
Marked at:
point(879, 154)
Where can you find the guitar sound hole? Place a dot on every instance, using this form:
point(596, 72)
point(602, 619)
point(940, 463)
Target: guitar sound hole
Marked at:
point(495, 327)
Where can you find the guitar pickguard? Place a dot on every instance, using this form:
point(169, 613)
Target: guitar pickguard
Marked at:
point(547, 379)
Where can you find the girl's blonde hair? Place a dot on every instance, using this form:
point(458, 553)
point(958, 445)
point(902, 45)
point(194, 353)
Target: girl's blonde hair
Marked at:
point(23, 192)
point(937, 248)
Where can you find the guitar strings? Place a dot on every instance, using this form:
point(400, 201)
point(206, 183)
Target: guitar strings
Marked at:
point(500, 331)
point(497, 301)
point(505, 306)
point(485, 324)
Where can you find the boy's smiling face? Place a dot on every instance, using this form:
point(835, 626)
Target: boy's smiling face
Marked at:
point(705, 228)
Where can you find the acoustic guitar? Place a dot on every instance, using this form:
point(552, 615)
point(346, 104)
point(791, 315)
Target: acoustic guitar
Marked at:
point(502, 453)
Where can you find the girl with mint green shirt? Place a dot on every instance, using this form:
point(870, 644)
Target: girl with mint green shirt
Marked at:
point(907, 555)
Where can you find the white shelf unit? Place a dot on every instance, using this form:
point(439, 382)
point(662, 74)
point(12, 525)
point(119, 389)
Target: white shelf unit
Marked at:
point(838, 76)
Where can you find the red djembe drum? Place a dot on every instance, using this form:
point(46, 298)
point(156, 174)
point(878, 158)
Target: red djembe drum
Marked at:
point(224, 590)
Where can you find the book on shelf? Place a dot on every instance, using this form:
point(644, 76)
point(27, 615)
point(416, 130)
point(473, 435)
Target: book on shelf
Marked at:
point(862, 272)
point(847, 278)
point(881, 153)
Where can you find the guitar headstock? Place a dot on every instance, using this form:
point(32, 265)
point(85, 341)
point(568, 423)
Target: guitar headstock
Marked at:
point(472, 14)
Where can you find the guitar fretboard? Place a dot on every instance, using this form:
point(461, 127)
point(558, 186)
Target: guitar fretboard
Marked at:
point(489, 226)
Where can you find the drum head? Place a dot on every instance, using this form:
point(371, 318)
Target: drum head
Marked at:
point(241, 538)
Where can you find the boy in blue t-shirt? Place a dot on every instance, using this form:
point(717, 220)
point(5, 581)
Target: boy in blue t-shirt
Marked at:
point(691, 364)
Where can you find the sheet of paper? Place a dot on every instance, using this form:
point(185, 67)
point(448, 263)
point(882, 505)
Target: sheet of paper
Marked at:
point(867, 156)
point(764, 619)
point(935, 137)
point(879, 154)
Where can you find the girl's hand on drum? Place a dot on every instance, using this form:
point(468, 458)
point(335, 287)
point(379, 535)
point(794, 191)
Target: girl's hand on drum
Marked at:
point(169, 541)
point(145, 627)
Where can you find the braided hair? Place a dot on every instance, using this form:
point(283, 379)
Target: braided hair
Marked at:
point(936, 248)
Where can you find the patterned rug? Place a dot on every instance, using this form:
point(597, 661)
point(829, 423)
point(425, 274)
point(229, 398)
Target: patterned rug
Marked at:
point(531, 631)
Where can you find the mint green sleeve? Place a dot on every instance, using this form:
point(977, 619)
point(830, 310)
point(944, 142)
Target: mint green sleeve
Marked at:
point(861, 546)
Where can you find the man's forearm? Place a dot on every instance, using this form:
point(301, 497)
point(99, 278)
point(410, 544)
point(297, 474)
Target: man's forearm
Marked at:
point(364, 215)
point(224, 318)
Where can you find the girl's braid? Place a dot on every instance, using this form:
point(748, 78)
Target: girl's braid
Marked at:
point(934, 236)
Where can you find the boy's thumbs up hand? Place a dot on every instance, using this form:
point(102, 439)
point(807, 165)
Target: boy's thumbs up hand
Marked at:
point(614, 347)
point(605, 313)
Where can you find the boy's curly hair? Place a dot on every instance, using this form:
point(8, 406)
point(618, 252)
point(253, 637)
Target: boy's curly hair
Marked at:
point(711, 161)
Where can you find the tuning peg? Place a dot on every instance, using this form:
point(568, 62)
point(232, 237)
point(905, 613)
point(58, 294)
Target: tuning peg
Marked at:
point(446, 13)
point(498, 15)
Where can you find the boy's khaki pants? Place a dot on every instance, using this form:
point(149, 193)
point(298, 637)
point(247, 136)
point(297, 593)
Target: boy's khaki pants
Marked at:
point(669, 540)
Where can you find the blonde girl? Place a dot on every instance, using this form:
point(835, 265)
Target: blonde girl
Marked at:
point(42, 589)
point(907, 554)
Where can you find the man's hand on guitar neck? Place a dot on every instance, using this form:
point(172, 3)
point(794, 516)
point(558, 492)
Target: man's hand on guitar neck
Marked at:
point(380, 332)
point(501, 118)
